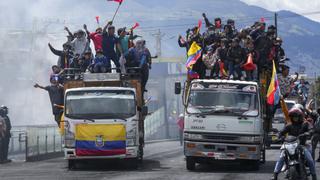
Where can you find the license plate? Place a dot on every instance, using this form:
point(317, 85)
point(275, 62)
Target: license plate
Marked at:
point(223, 156)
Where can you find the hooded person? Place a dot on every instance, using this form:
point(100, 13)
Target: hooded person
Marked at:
point(139, 56)
point(80, 43)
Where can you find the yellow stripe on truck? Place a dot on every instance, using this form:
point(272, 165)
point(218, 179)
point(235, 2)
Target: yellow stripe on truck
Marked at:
point(109, 132)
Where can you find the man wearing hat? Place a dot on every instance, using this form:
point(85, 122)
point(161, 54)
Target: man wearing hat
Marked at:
point(109, 43)
point(236, 55)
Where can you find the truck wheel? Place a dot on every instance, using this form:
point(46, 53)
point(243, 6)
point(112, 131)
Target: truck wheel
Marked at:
point(133, 163)
point(191, 164)
point(71, 164)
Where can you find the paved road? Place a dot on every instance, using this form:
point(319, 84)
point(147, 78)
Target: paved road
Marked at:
point(162, 161)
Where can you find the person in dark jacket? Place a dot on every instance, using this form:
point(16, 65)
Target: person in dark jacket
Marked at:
point(6, 135)
point(56, 94)
point(101, 64)
point(65, 55)
point(109, 43)
point(296, 128)
point(236, 56)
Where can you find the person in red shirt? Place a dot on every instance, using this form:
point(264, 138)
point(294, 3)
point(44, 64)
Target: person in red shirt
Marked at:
point(96, 37)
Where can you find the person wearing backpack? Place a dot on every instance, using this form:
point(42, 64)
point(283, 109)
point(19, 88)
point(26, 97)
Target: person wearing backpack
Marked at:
point(316, 134)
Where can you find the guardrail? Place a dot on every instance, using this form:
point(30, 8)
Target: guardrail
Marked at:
point(31, 143)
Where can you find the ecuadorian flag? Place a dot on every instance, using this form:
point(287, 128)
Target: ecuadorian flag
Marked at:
point(194, 53)
point(100, 139)
point(273, 95)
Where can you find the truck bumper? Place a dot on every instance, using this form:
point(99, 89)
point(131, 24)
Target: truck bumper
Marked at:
point(131, 152)
point(222, 151)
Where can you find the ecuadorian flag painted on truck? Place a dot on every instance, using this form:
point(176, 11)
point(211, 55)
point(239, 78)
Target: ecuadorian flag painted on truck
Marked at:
point(100, 139)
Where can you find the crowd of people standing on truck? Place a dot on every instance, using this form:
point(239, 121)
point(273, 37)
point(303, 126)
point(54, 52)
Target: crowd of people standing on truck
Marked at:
point(127, 51)
point(228, 53)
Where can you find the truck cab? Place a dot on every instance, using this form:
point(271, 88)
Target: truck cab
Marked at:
point(223, 121)
point(103, 118)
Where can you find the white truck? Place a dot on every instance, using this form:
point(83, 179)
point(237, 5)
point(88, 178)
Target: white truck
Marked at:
point(223, 121)
point(103, 118)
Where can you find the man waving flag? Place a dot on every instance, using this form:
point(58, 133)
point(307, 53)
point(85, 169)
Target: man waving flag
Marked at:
point(273, 95)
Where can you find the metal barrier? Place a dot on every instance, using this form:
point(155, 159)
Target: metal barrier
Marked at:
point(153, 123)
point(31, 143)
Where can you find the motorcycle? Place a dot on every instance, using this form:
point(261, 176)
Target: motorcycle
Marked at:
point(295, 163)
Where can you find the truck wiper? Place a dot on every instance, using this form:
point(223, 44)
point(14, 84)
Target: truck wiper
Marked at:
point(215, 111)
point(82, 118)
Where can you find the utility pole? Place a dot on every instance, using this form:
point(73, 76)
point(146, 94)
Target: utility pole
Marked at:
point(276, 23)
point(158, 35)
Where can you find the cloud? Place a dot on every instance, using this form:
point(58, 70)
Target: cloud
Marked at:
point(297, 6)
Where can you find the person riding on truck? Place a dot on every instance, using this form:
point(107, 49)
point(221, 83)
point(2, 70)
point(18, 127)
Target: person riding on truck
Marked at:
point(298, 127)
point(55, 91)
point(101, 64)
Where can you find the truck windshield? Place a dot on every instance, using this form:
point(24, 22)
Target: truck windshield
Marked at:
point(102, 104)
point(223, 102)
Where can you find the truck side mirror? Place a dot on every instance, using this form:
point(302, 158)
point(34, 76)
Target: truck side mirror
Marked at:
point(144, 110)
point(177, 87)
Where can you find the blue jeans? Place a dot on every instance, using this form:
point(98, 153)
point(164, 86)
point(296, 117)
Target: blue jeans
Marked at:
point(234, 68)
point(307, 154)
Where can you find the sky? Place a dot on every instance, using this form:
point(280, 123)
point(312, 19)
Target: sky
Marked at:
point(297, 6)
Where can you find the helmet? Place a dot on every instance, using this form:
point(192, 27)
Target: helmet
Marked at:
point(299, 106)
point(296, 115)
point(4, 110)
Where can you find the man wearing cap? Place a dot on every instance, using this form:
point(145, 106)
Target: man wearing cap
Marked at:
point(96, 37)
point(55, 91)
point(109, 42)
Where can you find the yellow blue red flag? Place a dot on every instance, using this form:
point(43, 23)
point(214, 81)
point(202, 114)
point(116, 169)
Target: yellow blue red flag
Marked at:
point(273, 95)
point(100, 139)
point(194, 53)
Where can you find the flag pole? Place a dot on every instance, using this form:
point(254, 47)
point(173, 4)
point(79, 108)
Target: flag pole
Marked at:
point(116, 12)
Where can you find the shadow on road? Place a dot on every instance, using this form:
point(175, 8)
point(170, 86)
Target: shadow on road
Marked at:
point(231, 167)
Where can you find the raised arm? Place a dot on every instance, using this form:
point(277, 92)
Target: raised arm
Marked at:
point(69, 32)
point(106, 27)
point(54, 51)
point(39, 86)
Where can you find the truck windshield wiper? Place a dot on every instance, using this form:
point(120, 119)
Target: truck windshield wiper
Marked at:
point(215, 111)
point(82, 118)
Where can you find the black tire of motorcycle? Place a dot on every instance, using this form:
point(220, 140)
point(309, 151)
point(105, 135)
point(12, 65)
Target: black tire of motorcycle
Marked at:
point(293, 173)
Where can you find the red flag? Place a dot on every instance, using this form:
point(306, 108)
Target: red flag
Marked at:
point(118, 1)
point(135, 26)
point(199, 26)
point(262, 20)
point(97, 19)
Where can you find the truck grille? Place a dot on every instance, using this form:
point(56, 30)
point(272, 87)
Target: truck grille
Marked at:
point(220, 138)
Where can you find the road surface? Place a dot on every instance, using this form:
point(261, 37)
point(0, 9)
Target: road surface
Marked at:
point(163, 160)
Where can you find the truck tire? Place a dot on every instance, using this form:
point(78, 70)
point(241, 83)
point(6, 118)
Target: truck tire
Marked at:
point(190, 163)
point(71, 164)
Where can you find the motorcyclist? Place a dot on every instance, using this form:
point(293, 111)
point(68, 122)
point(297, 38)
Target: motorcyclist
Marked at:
point(296, 128)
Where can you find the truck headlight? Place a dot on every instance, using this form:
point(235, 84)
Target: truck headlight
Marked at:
point(69, 140)
point(192, 136)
